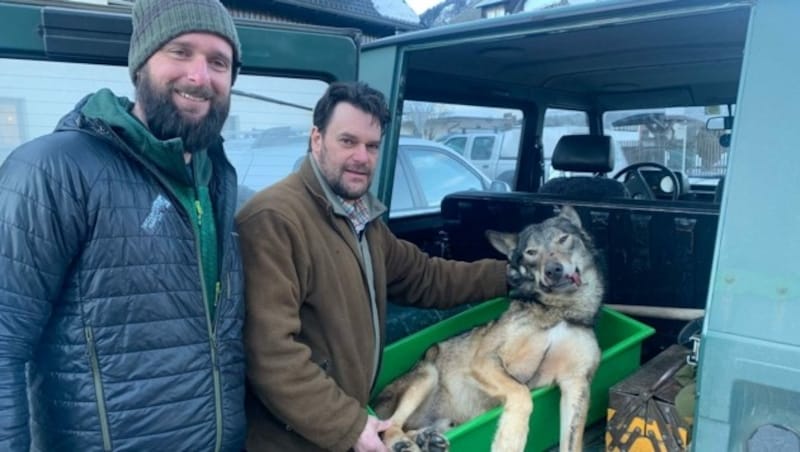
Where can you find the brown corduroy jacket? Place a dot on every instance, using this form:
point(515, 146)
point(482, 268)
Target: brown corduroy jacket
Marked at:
point(309, 328)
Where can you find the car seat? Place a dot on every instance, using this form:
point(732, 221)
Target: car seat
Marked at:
point(585, 154)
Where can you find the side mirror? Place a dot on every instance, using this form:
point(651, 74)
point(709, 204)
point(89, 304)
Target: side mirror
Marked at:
point(499, 186)
point(720, 123)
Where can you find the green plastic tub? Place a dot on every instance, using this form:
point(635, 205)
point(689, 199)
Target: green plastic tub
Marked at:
point(620, 340)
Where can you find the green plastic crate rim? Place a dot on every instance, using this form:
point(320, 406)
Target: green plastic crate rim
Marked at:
point(620, 339)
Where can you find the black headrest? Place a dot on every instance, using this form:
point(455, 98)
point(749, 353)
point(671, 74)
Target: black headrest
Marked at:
point(584, 153)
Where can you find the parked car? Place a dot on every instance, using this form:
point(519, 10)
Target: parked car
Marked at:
point(427, 171)
point(494, 153)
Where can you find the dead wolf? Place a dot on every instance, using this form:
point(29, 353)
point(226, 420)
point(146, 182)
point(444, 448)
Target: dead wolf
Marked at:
point(546, 336)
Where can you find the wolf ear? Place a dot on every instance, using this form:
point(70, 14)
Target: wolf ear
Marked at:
point(503, 241)
point(570, 214)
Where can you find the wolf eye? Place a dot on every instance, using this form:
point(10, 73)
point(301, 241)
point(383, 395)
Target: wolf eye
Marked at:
point(563, 239)
point(530, 252)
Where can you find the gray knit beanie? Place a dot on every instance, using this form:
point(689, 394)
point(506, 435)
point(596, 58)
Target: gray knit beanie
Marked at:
point(156, 22)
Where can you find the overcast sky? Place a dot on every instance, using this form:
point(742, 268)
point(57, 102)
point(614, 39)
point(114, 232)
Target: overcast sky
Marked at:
point(420, 6)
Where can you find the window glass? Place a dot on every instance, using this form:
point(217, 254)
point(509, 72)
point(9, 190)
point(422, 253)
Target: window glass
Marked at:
point(440, 174)
point(690, 140)
point(10, 125)
point(457, 144)
point(401, 191)
point(267, 131)
point(482, 148)
point(34, 95)
point(557, 123)
point(265, 134)
point(460, 126)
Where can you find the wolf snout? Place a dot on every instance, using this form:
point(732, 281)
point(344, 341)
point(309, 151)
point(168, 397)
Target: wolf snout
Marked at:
point(554, 271)
point(556, 275)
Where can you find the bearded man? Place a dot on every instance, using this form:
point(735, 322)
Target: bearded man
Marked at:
point(121, 311)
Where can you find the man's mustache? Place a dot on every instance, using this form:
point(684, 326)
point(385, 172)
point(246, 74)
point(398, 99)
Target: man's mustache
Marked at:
point(195, 91)
point(358, 169)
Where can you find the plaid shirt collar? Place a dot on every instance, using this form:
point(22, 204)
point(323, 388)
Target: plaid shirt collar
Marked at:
point(357, 211)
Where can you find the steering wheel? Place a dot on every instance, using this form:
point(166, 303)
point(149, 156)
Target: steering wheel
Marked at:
point(633, 179)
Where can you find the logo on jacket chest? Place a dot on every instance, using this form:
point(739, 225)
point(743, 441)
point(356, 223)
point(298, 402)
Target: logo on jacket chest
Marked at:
point(156, 216)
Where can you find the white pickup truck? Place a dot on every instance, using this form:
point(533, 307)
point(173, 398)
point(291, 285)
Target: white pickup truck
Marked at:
point(494, 153)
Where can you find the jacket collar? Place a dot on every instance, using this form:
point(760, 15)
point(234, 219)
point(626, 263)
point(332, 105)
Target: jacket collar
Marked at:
point(223, 177)
point(116, 113)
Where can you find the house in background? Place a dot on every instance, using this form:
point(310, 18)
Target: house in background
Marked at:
point(497, 8)
point(456, 11)
point(375, 18)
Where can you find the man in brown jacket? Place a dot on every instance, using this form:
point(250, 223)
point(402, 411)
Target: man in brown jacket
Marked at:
point(319, 267)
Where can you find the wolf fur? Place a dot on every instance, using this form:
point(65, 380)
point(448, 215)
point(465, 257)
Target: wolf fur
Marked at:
point(546, 336)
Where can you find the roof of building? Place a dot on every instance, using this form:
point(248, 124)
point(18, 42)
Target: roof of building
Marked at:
point(484, 3)
point(394, 13)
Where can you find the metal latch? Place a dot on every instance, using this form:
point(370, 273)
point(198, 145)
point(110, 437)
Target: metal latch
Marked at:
point(691, 358)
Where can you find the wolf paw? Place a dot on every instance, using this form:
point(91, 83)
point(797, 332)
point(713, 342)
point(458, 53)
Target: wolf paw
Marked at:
point(405, 445)
point(430, 440)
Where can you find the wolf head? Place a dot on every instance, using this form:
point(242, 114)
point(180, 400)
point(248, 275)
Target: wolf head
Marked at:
point(553, 262)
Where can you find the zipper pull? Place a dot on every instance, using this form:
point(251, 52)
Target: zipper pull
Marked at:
point(199, 209)
point(217, 294)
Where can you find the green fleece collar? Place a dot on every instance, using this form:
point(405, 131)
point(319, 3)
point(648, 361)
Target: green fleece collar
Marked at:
point(167, 155)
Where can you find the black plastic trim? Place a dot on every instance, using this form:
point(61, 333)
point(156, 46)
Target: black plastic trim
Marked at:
point(86, 35)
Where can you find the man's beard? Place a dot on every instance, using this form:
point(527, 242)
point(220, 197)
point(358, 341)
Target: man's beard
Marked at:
point(334, 177)
point(166, 121)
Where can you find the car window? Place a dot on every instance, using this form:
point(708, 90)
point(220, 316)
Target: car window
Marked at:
point(482, 147)
point(34, 95)
point(266, 131)
point(676, 137)
point(439, 174)
point(472, 131)
point(457, 144)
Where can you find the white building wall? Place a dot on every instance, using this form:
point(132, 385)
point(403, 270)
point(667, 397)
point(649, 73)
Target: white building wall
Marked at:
point(531, 5)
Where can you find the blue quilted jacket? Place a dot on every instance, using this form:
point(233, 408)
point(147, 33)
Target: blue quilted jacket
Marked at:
point(103, 321)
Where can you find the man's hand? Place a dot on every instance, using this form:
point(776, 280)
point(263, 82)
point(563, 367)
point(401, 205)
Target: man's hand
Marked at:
point(369, 441)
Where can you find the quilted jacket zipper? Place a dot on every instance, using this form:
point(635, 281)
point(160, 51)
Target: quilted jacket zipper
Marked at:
point(98, 389)
point(213, 342)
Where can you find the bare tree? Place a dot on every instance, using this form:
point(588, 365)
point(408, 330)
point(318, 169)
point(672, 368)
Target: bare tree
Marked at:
point(419, 115)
